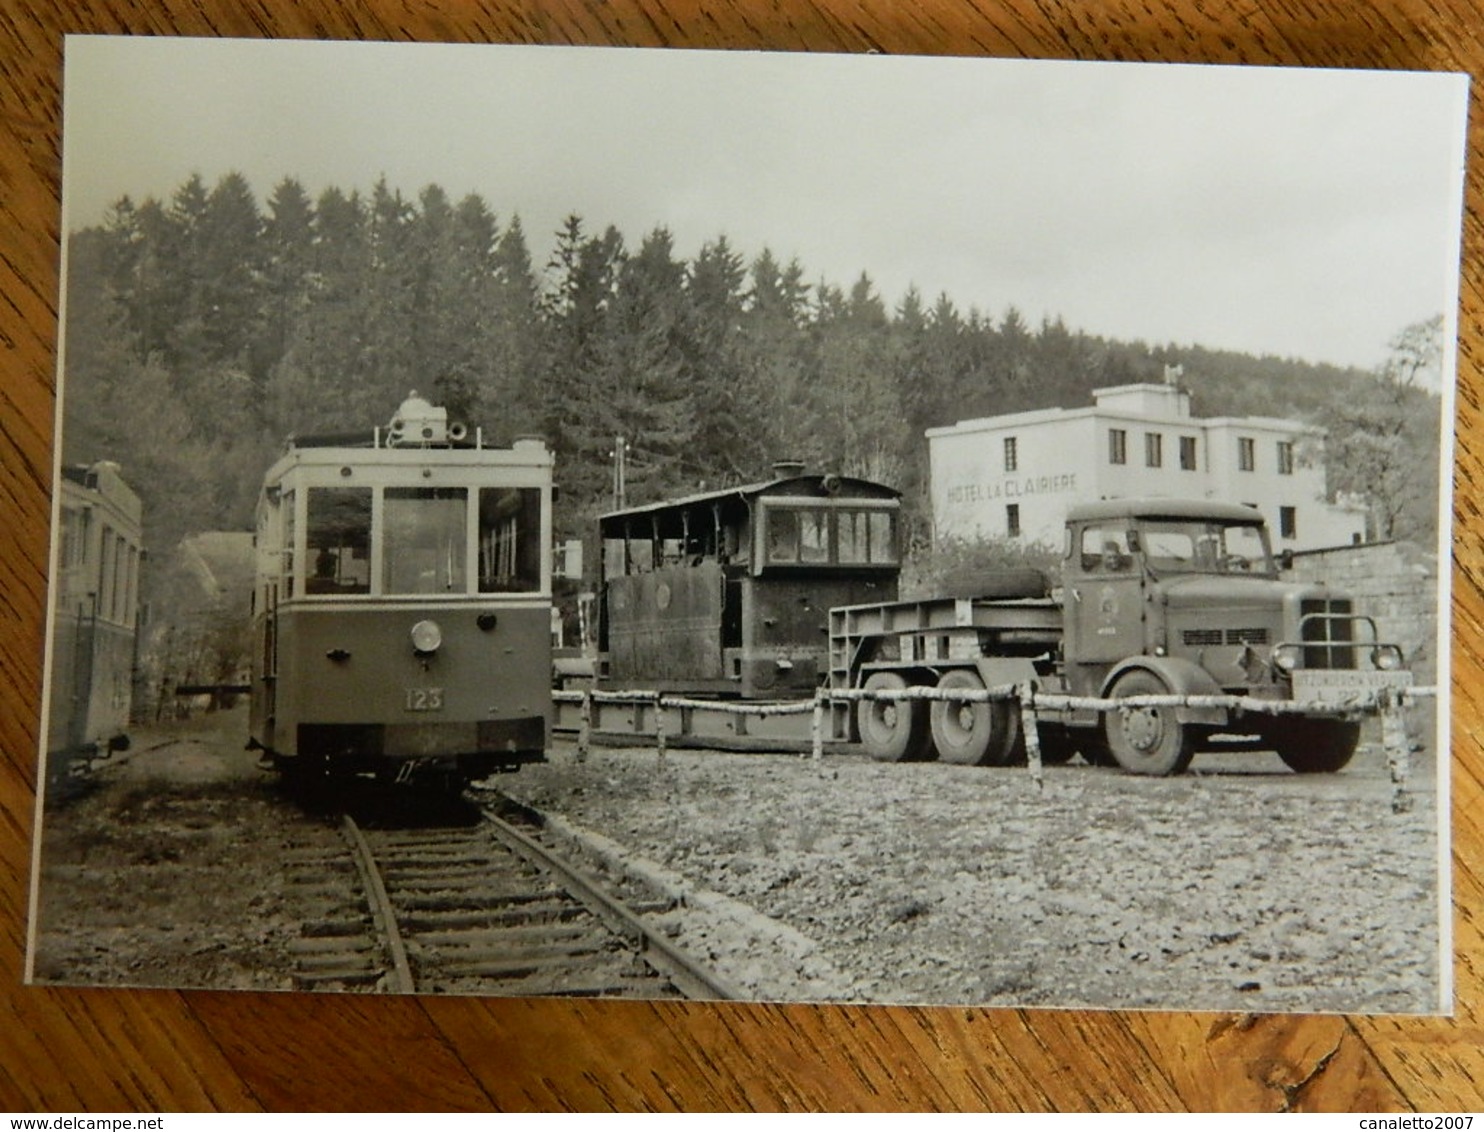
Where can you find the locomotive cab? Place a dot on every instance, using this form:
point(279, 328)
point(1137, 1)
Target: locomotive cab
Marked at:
point(728, 593)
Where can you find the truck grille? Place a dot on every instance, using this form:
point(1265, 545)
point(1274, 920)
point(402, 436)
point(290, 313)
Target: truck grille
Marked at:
point(1258, 636)
point(1206, 638)
point(1328, 633)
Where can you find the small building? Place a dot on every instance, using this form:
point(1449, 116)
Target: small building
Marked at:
point(1015, 476)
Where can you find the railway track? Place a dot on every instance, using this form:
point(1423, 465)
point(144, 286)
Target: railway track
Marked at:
point(479, 908)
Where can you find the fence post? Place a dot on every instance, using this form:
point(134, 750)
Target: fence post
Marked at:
point(1027, 693)
point(659, 727)
point(816, 727)
point(1398, 758)
point(585, 725)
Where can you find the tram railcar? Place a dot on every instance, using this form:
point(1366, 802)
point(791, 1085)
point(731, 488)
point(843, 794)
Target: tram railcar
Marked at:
point(95, 619)
point(728, 593)
point(402, 609)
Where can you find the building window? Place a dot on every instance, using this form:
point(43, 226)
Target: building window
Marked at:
point(1154, 449)
point(1285, 457)
point(1246, 453)
point(1012, 519)
point(1117, 446)
point(1187, 453)
point(1288, 522)
point(1011, 457)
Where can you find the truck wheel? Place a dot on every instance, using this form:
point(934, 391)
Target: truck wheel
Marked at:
point(1315, 746)
point(892, 731)
point(986, 734)
point(1147, 740)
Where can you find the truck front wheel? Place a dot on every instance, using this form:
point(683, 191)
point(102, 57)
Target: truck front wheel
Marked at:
point(1315, 746)
point(975, 734)
point(1147, 740)
point(892, 731)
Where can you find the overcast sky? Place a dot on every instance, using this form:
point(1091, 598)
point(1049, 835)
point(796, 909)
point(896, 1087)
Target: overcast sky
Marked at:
point(1296, 212)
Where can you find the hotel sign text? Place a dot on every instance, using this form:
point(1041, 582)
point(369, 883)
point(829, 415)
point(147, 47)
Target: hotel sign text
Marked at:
point(1012, 487)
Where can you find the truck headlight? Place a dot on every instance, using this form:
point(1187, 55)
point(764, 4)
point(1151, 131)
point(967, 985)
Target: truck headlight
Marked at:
point(426, 638)
point(1388, 658)
point(1287, 657)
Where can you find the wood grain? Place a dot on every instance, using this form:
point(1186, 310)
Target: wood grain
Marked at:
point(109, 1050)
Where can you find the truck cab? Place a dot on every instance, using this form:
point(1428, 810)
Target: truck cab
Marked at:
point(1165, 596)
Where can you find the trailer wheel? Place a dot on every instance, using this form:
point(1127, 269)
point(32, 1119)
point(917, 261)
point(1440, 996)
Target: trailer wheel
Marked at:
point(1316, 746)
point(1147, 740)
point(892, 731)
point(975, 734)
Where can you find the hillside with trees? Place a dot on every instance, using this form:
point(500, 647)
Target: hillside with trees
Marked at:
point(204, 329)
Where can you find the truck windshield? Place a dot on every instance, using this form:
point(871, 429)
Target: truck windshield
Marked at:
point(1203, 546)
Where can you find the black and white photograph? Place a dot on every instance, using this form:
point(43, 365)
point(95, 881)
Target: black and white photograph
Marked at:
point(778, 527)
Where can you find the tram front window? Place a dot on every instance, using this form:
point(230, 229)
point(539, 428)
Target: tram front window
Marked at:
point(509, 540)
point(423, 546)
point(338, 534)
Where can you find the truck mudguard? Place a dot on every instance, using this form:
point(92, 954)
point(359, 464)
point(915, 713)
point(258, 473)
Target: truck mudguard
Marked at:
point(1182, 677)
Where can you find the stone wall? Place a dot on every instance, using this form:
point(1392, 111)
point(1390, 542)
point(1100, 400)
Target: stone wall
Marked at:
point(1394, 582)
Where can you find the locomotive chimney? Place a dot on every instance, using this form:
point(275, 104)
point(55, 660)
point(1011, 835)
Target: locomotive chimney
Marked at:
point(787, 469)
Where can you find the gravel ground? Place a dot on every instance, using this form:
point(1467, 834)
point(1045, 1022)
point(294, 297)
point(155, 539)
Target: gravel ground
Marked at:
point(1237, 887)
point(158, 873)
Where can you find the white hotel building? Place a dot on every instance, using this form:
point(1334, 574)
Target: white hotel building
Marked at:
point(1016, 475)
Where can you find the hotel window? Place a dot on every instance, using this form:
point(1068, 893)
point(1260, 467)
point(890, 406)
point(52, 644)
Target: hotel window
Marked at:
point(1246, 453)
point(1117, 446)
point(1154, 449)
point(1012, 519)
point(1187, 453)
point(1288, 522)
point(1011, 457)
point(1285, 457)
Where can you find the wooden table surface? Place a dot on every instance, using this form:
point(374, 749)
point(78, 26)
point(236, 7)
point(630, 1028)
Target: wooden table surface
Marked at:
point(65, 1050)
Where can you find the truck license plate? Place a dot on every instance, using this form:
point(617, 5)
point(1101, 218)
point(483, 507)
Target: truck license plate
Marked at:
point(424, 699)
point(1339, 684)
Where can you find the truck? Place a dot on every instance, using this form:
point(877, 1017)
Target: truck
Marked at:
point(1158, 598)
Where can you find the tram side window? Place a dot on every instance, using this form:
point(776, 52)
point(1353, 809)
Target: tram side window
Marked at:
point(424, 539)
point(103, 602)
point(509, 540)
point(288, 544)
point(73, 546)
point(338, 534)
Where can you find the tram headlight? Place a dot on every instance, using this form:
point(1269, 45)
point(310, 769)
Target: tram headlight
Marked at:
point(1388, 658)
point(1286, 657)
point(426, 638)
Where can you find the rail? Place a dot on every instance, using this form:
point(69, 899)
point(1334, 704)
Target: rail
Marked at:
point(1387, 703)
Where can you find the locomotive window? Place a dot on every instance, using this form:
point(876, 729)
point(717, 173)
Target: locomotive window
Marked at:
point(783, 536)
point(864, 537)
point(814, 536)
point(424, 540)
point(509, 540)
point(338, 532)
point(853, 537)
point(883, 537)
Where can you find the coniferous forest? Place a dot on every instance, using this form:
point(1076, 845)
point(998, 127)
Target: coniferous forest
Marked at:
point(203, 329)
